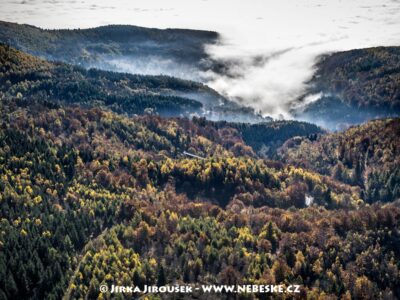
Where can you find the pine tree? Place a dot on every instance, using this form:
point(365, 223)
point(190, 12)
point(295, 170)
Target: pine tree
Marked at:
point(161, 280)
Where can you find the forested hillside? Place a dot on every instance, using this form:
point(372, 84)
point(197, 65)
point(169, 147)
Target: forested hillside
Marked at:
point(351, 87)
point(363, 78)
point(89, 47)
point(367, 156)
point(23, 75)
point(68, 174)
point(92, 194)
point(355, 86)
point(266, 137)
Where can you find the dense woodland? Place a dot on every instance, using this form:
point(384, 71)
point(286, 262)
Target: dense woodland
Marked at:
point(267, 137)
point(87, 47)
point(90, 196)
point(363, 77)
point(366, 156)
point(28, 76)
point(354, 86)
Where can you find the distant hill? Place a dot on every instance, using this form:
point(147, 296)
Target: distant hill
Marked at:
point(25, 75)
point(114, 47)
point(365, 155)
point(351, 87)
point(354, 86)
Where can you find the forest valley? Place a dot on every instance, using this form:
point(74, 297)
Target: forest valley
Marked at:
point(95, 190)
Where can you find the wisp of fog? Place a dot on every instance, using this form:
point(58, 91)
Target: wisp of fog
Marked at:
point(268, 47)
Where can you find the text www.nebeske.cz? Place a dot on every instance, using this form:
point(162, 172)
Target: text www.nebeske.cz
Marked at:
point(268, 289)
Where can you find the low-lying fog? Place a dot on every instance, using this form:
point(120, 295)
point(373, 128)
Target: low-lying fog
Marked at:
point(269, 46)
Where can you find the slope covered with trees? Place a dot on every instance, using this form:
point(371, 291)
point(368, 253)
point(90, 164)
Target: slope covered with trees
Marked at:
point(366, 156)
point(24, 75)
point(320, 250)
point(355, 86)
point(266, 137)
point(70, 174)
point(87, 47)
point(362, 78)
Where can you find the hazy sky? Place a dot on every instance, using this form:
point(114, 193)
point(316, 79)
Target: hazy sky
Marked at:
point(291, 32)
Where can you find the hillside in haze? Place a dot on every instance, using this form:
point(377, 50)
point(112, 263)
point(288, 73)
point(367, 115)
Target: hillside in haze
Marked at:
point(354, 86)
point(348, 87)
point(24, 75)
point(116, 47)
